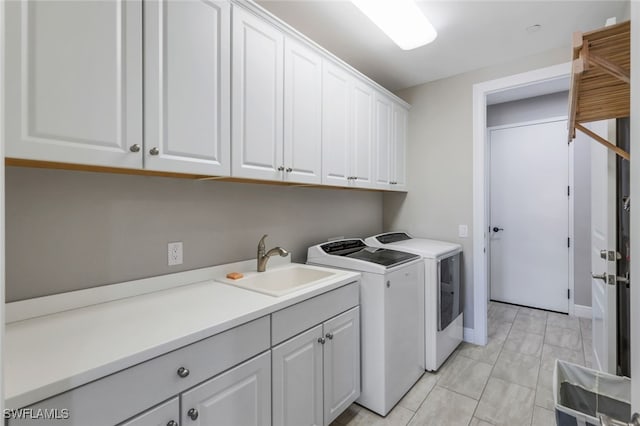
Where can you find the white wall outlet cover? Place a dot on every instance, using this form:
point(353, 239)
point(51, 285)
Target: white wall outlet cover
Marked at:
point(463, 231)
point(174, 253)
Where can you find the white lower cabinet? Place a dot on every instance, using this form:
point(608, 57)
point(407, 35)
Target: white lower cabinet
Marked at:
point(241, 396)
point(316, 374)
point(297, 380)
point(341, 363)
point(166, 414)
point(243, 376)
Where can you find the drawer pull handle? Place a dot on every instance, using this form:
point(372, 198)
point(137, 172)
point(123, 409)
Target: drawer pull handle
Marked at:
point(172, 423)
point(329, 336)
point(183, 372)
point(192, 413)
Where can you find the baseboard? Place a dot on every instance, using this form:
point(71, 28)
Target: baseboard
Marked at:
point(469, 335)
point(582, 311)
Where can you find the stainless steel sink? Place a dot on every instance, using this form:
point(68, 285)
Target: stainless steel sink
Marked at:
point(280, 281)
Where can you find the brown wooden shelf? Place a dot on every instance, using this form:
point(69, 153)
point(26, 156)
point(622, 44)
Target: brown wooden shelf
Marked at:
point(600, 79)
point(18, 162)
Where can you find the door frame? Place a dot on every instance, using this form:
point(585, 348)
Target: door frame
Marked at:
point(635, 194)
point(2, 207)
point(480, 201)
point(570, 201)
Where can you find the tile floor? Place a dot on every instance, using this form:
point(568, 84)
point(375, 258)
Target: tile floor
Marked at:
point(506, 382)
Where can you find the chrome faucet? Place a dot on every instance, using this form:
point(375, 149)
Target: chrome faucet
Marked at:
point(263, 257)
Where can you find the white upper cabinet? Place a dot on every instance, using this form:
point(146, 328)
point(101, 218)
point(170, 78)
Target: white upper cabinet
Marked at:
point(347, 128)
point(226, 90)
point(383, 142)
point(257, 98)
point(187, 86)
point(362, 135)
point(74, 81)
point(399, 150)
point(302, 113)
point(336, 125)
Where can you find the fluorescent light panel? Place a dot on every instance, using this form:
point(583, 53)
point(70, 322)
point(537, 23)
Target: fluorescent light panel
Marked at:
point(401, 20)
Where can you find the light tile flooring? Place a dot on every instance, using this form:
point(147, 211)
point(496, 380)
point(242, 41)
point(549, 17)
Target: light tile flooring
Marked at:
point(506, 382)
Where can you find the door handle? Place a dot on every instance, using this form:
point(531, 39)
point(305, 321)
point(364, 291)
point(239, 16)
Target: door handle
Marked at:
point(608, 421)
point(610, 255)
point(610, 279)
point(496, 229)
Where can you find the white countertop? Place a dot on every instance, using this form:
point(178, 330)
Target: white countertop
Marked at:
point(51, 354)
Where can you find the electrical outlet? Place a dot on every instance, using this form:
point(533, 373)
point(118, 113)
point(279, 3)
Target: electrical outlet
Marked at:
point(463, 231)
point(174, 253)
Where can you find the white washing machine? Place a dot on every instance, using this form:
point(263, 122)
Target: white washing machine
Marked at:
point(443, 296)
point(391, 317)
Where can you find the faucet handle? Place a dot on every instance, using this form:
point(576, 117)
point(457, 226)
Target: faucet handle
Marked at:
point(261, 242)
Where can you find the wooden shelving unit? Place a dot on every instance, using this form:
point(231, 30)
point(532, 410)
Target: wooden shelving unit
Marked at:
point(600, 80)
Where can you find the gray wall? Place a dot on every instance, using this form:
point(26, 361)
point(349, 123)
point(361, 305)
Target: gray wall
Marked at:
point(440, 159)
point(582, 221)
point(548, 106)
point(72, 230)
point(530, 109)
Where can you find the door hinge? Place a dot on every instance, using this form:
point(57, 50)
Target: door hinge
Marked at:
point(568, 191)
point(568, 242)
point(568, 293)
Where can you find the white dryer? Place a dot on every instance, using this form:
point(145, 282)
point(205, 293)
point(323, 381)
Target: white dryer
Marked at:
point(391, 317)
point(443, 291)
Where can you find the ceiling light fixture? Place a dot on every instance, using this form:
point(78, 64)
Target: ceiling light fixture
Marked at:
point(401, 20)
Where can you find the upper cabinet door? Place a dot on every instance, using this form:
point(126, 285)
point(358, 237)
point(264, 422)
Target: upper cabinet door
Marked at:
point(399, 165)
point(382, 142)
point(257, 88)
point(336, 125)
point(74, 81)
point(187, 86)
point(302, 113)
point(362, 139)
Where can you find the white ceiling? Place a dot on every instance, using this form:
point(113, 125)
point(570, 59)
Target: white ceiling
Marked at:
point(471, 34)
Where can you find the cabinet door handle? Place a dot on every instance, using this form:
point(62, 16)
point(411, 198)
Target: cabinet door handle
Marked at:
point(172, 423)
point(329, 336)
point(183, 372)
point(192, 413)
point(134, 148)
point(154, 151)
point(281, 168)
point(321, 340)
point(289, 170)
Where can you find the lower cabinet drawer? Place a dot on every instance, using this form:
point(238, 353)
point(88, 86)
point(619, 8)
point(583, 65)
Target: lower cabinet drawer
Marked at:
point(162, 415)
point(295, 319)
point(122, 395)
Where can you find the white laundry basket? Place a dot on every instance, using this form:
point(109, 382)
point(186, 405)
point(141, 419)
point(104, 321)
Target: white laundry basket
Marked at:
point(582, 394)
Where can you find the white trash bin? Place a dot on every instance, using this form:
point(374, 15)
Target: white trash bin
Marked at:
point(581, 394)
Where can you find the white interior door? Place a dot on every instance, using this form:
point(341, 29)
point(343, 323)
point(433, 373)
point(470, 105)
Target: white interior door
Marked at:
point(530, 215)
point(603, 237)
